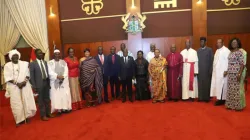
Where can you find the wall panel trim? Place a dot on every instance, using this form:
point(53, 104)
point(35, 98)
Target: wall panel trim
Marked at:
point(228, 9)
point(167, 11)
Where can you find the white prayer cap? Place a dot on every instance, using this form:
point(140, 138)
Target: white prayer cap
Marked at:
point(12, 52)
point(56, 51)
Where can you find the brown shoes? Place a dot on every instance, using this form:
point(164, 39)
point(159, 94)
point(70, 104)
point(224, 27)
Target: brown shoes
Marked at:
point(51, 116)
point(44, 118)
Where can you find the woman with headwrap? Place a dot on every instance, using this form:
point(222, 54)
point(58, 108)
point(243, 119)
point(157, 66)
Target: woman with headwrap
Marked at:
point(91, 78)
point(16, 75)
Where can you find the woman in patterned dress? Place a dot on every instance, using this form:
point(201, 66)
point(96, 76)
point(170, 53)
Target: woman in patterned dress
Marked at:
point(91, 79)
point(73, 66)
point(157, 71)
point(235, 97)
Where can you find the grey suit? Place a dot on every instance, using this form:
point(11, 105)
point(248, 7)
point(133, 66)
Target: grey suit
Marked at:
point(42, 86)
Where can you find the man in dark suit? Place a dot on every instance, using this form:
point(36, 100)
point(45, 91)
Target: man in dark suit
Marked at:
point(39, 78)
point(126, 75)
point(102, 61)
point(113, 68)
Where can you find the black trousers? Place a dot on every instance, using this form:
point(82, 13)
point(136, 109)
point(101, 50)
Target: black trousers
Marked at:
point(115, 81)
point(44, 99)
point(105, 87)
point(127, 87)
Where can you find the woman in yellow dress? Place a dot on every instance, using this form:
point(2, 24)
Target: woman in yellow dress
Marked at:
point(157, 71)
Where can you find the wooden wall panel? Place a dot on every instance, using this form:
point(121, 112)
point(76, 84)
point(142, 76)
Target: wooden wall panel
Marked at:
point(167, 21)
point(79, 48)
point(245, 40)
point(199, 16)
point(53, 24)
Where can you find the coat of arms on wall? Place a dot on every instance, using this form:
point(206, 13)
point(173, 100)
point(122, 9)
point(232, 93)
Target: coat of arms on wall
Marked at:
point(92, 6)
point(134, 23)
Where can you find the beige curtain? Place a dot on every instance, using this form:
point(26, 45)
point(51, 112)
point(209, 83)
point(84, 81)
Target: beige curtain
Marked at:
point(9, 34)
point(30, 19)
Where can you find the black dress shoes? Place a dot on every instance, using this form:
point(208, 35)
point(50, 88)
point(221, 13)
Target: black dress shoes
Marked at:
point(219, 102)
point(106, 101)
point(123, 100)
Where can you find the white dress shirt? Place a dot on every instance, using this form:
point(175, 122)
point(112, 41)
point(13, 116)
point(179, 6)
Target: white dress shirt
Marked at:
point(101, 56)
point(125, 60)
point(120, 53)
point(39, 63)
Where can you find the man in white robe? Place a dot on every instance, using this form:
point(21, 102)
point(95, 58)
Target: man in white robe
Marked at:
point(60, 92)
point(151, 54)
point(16, 75)
point(190, 71)
point(219, 78)
point(123, 47)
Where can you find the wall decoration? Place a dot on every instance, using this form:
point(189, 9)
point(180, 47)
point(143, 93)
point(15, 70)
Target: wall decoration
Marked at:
point(165, 4)
point(231, 2)
point(92, 6)
point(133, 23)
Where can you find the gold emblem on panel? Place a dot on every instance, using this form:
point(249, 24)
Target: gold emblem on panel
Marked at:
point(231, 2)
point(164, 4)
point(92, 6)
point(134, 23)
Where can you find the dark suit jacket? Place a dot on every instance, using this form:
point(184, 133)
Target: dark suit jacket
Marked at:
point(104, 67)
point(127, 69)
point(36, 79)
point(113, 69)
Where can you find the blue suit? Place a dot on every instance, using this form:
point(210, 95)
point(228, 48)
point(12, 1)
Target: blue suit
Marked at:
point(113, 70)
point(105, 76)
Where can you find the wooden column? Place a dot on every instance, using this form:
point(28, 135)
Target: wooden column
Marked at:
point(134, 41)
point(199, 18)
point(53, 23)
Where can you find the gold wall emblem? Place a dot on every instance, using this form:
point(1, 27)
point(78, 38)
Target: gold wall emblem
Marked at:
point(133, 23)
point(165, 4)
point(92, 6)
point(231, 2)
point(125, 20)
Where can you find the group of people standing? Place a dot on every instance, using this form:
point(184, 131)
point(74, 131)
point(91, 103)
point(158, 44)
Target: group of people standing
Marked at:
point(199, 74)
point(62, 85)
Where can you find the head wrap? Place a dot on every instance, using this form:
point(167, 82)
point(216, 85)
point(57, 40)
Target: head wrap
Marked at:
point(13, 52)
point(56, 51)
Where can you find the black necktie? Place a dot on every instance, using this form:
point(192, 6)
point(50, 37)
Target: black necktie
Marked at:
point(43, 70)
point(125, 60)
